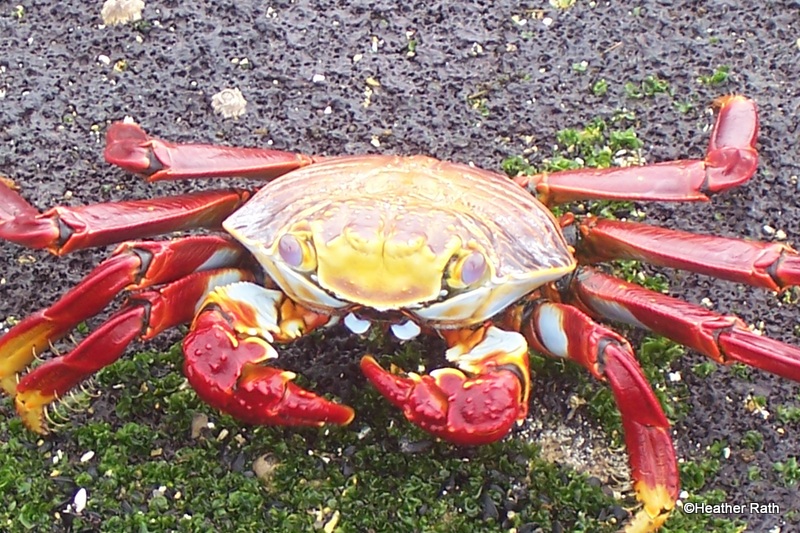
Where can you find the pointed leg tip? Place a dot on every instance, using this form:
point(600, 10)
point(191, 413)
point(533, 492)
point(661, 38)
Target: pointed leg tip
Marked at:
point(658, 502)
point(30, 408)
point(9, 384)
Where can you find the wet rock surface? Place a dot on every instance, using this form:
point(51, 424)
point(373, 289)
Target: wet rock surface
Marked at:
point(472, 82)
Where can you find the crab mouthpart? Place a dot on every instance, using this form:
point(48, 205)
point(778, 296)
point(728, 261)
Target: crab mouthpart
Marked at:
point(359, 326)
point(406, 331)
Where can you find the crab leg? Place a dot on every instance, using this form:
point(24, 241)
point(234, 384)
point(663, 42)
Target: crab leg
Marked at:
point(64, 229)
point(134, 265)
point(731, 160)
point(563, 331)
point(724, 338)
point(146, 315)
point(227, 348)
point(129, 147)
point(774, 266)
point(476, 403)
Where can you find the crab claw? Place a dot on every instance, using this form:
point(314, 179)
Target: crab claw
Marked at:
point(227, 373)
point(448, 404)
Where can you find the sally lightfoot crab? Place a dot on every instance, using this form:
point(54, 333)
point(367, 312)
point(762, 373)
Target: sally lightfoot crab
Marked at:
point(413, 243)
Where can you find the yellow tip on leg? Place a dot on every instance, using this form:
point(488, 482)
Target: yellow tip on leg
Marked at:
point(18, 348)
point(30, 407)
point(657, 506)
point(9, 383)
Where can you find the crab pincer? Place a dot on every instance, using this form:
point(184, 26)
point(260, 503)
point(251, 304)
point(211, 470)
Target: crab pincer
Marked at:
point(225, 355)
point(448, 404)
point(478, 405)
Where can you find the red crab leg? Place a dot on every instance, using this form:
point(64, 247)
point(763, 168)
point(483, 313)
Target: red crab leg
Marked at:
point(731, 160)
point(129, 147)
point(723, 338)
point(64, 229)
point(147, 314)
point(134, 265)
point(773, 266)
point(227, 348)
point(477, 403)
point(563, 331)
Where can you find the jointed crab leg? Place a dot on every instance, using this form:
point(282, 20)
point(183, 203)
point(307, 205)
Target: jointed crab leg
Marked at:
point(774, 266)
point(731, 160)
point(725, 339)
point(134, 265)
point(474, 404)
point(147, 314)
point(129, 147)
point(563, 331)
point(227, 348)
point(64, 229)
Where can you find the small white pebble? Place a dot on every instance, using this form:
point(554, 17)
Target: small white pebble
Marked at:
point(104, 59)
point(79, 501)
point(726, 452)
point(674, 376)
point(328, 110)
point(707, 303)
point(85, 458)
point(780, 235)
point(318, 78)
point(768, 230)
point(683, 495)
point(357, 58)
point(375, 142)
point(547, 21)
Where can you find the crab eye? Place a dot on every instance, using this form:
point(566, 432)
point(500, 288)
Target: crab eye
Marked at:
point(467, 270)
point(473, 268)
point(296, 253)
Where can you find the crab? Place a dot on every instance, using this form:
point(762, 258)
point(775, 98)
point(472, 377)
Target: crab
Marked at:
point(412, 243)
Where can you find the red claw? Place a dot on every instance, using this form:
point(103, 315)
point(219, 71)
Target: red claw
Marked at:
point(227, 373)
point(448, 404)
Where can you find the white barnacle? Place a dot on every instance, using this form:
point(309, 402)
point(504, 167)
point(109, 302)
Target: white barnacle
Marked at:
point(229, 103)
point(121, 11)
